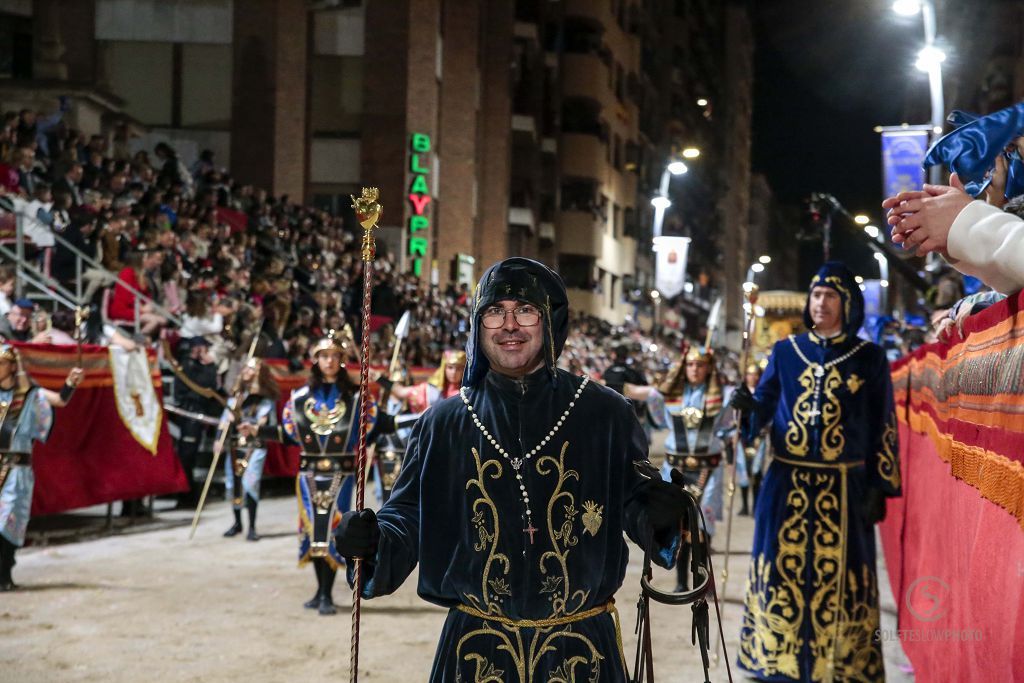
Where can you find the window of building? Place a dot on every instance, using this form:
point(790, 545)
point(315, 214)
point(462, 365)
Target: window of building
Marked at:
point(577, 271)
point(336, 98)
point(179, 85)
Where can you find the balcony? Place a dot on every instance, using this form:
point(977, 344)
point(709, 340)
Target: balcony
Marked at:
point(579, 234)
point(583, 156)
point(585, 75)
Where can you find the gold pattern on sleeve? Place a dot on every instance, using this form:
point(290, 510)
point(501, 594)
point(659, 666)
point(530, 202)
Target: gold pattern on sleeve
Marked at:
point(832, 439)
point(797, 440)
point(888, 460)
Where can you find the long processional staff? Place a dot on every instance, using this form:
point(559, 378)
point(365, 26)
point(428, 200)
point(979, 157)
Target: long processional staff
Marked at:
point(322, 417)
point(514, 498)
point(811, 609)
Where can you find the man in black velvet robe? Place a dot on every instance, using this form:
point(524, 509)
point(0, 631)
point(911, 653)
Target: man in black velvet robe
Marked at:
point(514, 497)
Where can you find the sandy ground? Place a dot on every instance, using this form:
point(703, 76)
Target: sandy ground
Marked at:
point(152, 606)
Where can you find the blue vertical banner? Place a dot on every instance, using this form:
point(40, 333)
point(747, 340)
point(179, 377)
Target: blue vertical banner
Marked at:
point(903, 151)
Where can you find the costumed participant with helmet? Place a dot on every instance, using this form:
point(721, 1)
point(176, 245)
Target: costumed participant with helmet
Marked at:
point(412, 401)
point(750, 457)
point(322, 417)
point(514, 498)
point(698, 425)
point(626, 378)
point(811, 608)
point(26, 415)
point(243, 470)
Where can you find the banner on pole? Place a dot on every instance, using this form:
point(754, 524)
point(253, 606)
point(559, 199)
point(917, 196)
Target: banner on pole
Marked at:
point(903, 151)
point(670, 265)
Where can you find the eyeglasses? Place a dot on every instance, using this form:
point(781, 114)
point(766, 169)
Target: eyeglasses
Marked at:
point(495, 316)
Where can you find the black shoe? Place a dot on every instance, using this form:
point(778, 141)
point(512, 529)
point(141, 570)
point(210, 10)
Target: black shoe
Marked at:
point(235, 529)
point(252, 535)
point(744, 512)
point(312, 603)
point(326, 607)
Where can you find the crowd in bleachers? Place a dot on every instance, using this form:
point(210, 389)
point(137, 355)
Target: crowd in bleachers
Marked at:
point(210, 255)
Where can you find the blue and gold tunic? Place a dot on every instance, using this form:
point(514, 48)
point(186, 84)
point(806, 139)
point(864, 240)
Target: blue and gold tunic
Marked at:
point(527, 604)
point(834, 434)
point(325, 424)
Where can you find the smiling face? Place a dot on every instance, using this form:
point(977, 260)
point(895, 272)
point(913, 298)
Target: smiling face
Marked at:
point(825, 306)
point(513, 350)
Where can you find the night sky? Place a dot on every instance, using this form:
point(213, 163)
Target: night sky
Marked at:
point(826, 73)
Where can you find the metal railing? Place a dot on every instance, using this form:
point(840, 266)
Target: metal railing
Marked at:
point(46, 284)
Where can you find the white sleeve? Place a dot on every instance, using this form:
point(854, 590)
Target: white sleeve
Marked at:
point(988, 243)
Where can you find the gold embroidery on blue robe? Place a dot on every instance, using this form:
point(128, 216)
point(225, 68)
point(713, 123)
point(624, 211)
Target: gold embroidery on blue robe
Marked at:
point(561, 518)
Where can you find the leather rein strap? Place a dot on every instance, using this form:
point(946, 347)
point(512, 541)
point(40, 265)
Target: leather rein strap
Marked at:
point(703, 575)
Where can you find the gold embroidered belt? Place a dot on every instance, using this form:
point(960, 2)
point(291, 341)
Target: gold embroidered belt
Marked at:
point(543, 623)
point(821, 465)
point(693, 462)
point(312, 462)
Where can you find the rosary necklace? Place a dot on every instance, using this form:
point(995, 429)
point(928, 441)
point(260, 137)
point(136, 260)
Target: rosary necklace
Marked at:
point(517, 463)
point(819, 370)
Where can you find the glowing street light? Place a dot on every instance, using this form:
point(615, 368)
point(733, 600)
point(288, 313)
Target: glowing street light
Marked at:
point(872, 231)
point(691, 153)
point(677, 168)
point(765, 259)
point(757, 267)
point(861, 219)
point(930, 58)
point(661, 203)
point(702, 102)
point(906, 8)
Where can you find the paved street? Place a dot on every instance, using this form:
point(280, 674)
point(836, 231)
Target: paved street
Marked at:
point(153, 606)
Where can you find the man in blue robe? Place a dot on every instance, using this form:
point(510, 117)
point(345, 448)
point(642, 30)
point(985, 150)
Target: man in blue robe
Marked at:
point(829, 397)
point(514, 497)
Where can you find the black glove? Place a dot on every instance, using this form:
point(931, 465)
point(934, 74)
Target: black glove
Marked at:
point(357, 534)
point(742, 400)
point(874, 506)
point(666, 503)
point(385, 383)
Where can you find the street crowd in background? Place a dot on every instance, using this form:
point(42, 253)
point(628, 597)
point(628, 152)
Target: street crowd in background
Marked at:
point(218, 257)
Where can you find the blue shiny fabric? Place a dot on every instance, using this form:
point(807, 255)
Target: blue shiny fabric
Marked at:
point(971, 149)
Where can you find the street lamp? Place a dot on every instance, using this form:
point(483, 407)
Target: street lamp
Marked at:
point(929, 60)
point(691, 153)
point(861, 219)
point(872, 231)
point(757, 267)
point(660, 201)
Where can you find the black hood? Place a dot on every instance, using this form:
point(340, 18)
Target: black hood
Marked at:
point(531, 282)
point(835, 275)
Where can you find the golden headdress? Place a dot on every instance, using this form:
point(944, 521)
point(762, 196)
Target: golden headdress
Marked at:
point(449, 357)
point(341, 341)
point(674, 382)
